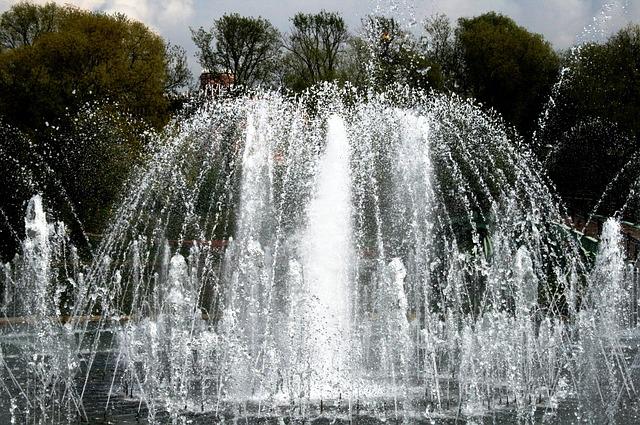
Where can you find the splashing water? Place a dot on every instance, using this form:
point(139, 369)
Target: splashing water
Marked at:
point(327, 257)
point(299, 258)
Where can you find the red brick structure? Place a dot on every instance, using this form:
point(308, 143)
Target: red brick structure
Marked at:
point(216, 81)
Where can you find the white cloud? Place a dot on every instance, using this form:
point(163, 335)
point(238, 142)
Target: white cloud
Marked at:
point(563, 22)
point(158, 14)
point(175, 11)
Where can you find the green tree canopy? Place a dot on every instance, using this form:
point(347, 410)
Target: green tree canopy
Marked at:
point(84, 56)
point(604, 80)
point(506, 67)
point(178, 73)
point(79, 94)
point(314, 45)
point(24, 22)
point(593, 129)
point(397, 57)
point(246, 47)
point(354, 62)
point(438, 44)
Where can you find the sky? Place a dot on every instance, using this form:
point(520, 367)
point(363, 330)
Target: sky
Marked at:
point(562, 22)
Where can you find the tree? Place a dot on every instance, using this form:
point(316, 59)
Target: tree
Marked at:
point(24, 22)
point(53, 142)
point(593, 130)
point(354, 61)
point(178, 73)
point(605, 80)
point(396, 57)
point(89, 56)
point(506, 67)
point(438, 44)
point(246, 47)
point(314, 45)
point(80, 169)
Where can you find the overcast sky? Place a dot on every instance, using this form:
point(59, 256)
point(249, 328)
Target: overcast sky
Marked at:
point(563, 22)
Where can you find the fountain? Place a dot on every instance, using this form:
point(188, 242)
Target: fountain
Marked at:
point(394, 257)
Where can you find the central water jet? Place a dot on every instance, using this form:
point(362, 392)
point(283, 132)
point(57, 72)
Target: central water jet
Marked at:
point(327, 266)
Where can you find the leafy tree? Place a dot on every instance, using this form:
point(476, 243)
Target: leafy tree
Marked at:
point(80, 169)
point(586, 156)
point(94, 157)
point(24, 22)
point(593, 130)
point(90, 56)
point(605, 80)
point(506, 67)
point(245, 46)
point(397, 57)
point(314, 45)
point(354, 62)
point(178, 73)
point(439, 45)
point(53, 143)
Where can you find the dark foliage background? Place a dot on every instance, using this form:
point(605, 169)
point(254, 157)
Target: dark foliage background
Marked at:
point(81, 93)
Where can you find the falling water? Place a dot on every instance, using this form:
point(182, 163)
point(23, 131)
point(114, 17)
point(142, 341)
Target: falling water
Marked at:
point(327, 257)
point(300, 258)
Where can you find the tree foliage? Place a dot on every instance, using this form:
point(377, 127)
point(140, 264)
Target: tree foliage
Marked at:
point(75, 101)
point(354, 62)
point(314, 45)
point(439, 45)
point(506, 67)
point(24, 22)
point(89, 56)
point(397, 57)
point(246, 47)
point(593, 130)
point(178, 73)
point(80, 169)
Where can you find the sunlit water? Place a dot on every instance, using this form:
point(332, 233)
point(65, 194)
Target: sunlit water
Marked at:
point(393, 257)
